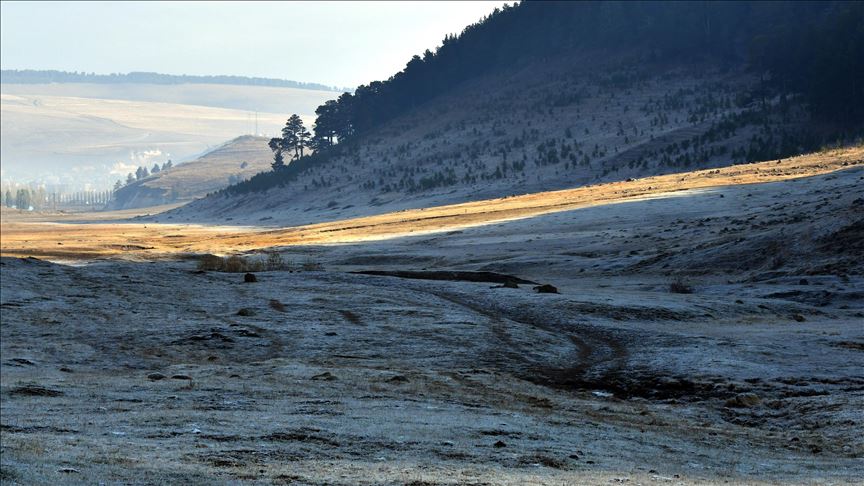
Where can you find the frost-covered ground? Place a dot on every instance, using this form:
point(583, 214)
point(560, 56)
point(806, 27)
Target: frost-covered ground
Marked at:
point(156, 372)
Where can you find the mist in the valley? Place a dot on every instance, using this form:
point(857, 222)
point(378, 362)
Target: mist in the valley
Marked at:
point(70, 123)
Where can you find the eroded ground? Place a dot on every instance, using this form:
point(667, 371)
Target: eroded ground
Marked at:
point(123, 371)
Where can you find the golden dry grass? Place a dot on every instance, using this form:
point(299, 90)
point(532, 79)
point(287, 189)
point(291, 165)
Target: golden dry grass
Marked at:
point(211, 171)
point(71, 241)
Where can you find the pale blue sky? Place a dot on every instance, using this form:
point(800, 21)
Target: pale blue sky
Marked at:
point(336, 43)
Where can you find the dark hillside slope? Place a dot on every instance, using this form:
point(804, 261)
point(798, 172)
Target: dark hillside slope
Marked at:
point(549, 95)
point(795, 40)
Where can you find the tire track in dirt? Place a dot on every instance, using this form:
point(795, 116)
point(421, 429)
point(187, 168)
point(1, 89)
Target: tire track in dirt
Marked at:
point(599, 360)
point(595, 351)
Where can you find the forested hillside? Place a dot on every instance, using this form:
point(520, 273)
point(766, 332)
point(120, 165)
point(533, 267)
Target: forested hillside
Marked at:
point(815, 48)
point(544, 95)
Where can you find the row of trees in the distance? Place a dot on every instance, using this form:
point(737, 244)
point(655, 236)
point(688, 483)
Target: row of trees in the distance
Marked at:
point(23, 198)
point(31, 76)
point(142, 173)
point(38, 198)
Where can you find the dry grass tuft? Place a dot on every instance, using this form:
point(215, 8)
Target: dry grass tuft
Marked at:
point(236, 264)
point(274, 261)
point(210, 262)
point(239, 264)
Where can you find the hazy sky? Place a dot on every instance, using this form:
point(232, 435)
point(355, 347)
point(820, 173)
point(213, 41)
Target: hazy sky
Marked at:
point(336, 43)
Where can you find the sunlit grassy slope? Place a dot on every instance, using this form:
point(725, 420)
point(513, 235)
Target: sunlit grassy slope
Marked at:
point(237, 159)
point(149, 241)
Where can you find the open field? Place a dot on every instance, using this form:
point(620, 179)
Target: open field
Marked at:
point(133, 366)
point(158, 240)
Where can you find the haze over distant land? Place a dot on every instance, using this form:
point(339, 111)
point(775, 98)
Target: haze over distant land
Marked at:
point(332, 43)
point(220, 55)
point(92, 134)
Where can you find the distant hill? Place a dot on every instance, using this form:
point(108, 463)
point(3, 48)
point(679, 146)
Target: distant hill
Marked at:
point(263, 99)
point(234, 161)
point(30, 76)
point(549, 95)
point(74, 133)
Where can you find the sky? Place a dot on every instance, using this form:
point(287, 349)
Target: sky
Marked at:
point(341, 44)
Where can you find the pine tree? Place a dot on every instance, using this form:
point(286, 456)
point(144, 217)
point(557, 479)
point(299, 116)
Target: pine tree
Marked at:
point(22, 199)
point(294, 134)
point(276, 145)
point(303, 139)
point(327, 123)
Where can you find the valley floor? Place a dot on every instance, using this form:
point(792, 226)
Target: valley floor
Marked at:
point(122, 234)
point(151, 371)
